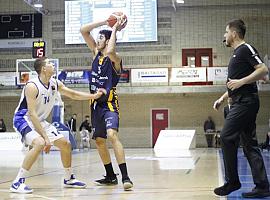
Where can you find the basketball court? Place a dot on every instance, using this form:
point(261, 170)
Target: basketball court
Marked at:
point(176, 67)
point(190, 177)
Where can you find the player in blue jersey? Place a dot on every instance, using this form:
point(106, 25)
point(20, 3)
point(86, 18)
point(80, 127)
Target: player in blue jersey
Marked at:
point(106, 69)
point(37, 100)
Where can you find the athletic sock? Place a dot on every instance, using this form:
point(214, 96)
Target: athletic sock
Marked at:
point(123, 169)
point(21, 174)
point(109, 170)
point(68, 172)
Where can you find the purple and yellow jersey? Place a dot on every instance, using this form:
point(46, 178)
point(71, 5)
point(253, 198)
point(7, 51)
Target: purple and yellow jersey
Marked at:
point(104, 75)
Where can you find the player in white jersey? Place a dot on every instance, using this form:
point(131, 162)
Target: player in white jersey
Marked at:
point(36, 103)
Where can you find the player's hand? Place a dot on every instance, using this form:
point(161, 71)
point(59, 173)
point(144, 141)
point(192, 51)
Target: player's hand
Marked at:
point(120, 22)
point(233, 84)
point(102, 90)
point(217, 104)
point(48, 146)
point(99, 93)
point(47, 149)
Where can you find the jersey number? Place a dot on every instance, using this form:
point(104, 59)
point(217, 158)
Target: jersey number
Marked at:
point(54, 133)
point(46, 100)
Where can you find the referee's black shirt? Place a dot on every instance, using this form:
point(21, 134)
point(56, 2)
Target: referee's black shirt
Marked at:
point(242, 63)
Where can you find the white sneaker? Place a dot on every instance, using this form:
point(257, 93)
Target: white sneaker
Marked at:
point(127, 183)
point(20, 187)
point(73, 183)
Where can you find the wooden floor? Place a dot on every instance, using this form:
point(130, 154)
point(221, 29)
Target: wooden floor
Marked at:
point(190, 176)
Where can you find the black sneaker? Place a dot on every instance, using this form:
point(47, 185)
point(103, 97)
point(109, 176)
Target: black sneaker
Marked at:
point(227, 189)
point(127, 184)
point(257, 193)
point(107, 181)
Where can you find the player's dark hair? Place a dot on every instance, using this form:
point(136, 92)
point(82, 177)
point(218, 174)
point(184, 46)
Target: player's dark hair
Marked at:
point(239, 26)
point(106, 33)
point(39, 63)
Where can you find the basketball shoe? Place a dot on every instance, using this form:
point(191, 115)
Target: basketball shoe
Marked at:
point(127, 183)
point(107, 181)
point(20, 187)
point(73, 183)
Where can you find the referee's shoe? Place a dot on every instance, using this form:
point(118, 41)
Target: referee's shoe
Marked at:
point(257, 193)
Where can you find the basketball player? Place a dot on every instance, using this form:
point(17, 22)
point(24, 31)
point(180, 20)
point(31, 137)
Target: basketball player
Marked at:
point(106, 69)
point(244, 69)
point(37, 100)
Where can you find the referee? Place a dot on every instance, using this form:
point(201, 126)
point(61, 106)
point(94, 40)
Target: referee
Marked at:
point(244, 69)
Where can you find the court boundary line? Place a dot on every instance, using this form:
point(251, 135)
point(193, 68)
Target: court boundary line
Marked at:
point(220, 173)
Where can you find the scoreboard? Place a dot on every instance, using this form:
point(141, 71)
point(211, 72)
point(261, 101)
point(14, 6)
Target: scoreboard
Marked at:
point(21, 26)
point(38, 49)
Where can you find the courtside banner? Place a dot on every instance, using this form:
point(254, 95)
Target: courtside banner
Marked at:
point(74, 77)
point(217, 73)
point(152, 75)
point(7, 78)
point(124, 76)
point(16, 43)
point(10, 141)
point(197, 74)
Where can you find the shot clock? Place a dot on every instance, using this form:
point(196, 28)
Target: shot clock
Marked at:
point(38, 49)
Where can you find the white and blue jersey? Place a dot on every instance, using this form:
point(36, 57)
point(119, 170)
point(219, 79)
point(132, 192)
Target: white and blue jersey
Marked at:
point(45, 101)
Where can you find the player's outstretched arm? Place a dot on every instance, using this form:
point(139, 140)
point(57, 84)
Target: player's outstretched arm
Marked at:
point(77, 95)
point(88, 38)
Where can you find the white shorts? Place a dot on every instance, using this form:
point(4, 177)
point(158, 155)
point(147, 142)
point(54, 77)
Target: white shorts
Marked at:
point(51, 131)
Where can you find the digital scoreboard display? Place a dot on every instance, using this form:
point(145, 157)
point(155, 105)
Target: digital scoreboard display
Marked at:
point(38, 49)
point(141, 15)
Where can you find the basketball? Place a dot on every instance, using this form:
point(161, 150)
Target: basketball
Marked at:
point(113, 19)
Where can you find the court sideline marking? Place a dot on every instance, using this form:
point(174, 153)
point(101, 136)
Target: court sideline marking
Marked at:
point(220, 174)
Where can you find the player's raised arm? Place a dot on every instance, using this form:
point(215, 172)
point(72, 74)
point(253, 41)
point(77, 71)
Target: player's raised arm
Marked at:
point(88, 38)
point(77, 95)
point(111, 52)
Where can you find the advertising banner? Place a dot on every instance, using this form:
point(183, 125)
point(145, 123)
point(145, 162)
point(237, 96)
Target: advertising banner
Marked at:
point(217, 73)
point(151, 75)
point(194, 74)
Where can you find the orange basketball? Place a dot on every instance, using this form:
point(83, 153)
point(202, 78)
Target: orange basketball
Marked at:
point(113, 19)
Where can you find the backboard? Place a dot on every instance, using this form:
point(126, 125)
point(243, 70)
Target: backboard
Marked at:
point(25, 70)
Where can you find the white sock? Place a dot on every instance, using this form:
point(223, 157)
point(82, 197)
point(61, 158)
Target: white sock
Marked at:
point(68, 172)
point(21, 174)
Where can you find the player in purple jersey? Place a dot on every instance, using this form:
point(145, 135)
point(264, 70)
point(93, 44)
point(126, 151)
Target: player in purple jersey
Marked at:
point(105, 73)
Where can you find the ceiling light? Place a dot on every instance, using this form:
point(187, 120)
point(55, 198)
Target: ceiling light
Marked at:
point(180, 1)
point(38, 4)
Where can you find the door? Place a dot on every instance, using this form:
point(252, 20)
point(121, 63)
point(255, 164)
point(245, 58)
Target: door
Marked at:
point(160, 121)
point(197, 58)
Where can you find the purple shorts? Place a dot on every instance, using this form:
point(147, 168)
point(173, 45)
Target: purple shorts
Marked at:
point(102, 120)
